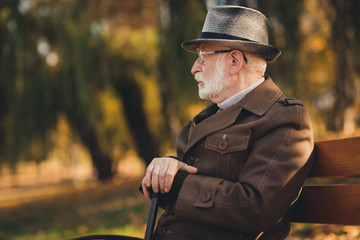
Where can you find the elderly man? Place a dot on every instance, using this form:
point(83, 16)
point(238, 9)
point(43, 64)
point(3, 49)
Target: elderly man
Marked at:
point(240, 162)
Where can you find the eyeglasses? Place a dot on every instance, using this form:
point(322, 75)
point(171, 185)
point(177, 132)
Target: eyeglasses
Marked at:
point(202, 53)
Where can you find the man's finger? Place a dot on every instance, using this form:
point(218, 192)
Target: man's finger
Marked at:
point(146, 191)
point(148, 175)
point(169, 177)
point(155, 179)
point(162, 177)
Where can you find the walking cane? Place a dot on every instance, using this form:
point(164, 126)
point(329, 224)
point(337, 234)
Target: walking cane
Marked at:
point(149, 227)
point(152, 217)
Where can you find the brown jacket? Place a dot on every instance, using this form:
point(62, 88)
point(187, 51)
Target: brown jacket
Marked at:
point(252, 160)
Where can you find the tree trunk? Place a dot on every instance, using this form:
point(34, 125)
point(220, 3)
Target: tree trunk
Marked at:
point(344, 34)
point(101, 160)
point(147, 146)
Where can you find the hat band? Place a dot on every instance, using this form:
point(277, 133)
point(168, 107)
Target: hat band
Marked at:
point(212, 35)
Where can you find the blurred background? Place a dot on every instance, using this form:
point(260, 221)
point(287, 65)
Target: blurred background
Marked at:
point(91, 91)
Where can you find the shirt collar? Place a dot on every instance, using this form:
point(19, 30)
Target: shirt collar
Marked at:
point(238, 96)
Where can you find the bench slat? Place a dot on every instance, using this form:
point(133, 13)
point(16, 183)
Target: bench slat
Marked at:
point(331, 204)
point(337, 158)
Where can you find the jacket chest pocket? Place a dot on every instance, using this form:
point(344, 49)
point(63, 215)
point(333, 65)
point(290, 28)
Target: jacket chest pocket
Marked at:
point(226, 154)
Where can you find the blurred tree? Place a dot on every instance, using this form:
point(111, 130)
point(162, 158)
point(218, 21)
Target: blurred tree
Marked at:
point(116, 71)
point(180, 21)
point(59, 57)
point(118, 68)
point(132, 55)
point(345, 19)
point(27, 106)
point(284, 25)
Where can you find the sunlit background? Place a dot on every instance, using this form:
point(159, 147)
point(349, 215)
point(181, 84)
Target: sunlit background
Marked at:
point(91, 91)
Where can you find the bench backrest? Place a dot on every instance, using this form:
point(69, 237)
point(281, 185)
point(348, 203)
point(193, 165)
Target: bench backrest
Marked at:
point(335, 201)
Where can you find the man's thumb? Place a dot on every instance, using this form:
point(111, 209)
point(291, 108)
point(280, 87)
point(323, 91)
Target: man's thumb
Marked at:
point(189, 169)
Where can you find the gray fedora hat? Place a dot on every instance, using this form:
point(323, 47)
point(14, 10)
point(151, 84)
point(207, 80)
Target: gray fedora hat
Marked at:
point(236, 27)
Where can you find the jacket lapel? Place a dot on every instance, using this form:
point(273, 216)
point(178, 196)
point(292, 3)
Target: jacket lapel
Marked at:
point(212, 122)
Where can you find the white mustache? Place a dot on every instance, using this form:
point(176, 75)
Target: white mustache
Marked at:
point(199, 77)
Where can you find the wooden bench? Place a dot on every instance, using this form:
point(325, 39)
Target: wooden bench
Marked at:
point(335, 200)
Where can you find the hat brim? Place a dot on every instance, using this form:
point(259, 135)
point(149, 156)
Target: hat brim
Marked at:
point(269, 52)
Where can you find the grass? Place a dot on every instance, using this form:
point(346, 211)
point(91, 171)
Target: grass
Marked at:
point(62, 211)
point(95, 209)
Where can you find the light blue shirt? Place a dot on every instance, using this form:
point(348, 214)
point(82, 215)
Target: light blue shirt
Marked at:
point(239, 96)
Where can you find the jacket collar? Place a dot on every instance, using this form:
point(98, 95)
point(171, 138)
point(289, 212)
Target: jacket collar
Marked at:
point(262, 98)
point(257, 101)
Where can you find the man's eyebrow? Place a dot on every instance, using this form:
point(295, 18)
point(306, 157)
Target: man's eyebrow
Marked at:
point(203, 47)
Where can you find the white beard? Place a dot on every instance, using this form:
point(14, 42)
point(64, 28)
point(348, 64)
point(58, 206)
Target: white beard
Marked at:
point(215, 84)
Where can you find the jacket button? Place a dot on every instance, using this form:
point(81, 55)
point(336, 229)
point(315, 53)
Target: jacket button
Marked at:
point(222, 145)
point(161, 231)
point(190, 160)
point(205, 196)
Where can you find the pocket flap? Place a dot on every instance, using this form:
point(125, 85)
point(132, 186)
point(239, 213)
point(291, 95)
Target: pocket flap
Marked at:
point(227, 142)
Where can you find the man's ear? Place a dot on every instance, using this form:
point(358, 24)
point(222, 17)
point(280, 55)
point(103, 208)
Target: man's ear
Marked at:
point(236, 62)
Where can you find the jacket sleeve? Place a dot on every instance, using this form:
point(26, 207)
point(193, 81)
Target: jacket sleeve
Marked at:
point(277, 164)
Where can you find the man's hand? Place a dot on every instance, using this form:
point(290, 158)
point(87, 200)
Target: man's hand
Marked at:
point(160, 174)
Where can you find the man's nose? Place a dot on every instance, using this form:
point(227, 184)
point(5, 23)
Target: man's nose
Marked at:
point(196, 67)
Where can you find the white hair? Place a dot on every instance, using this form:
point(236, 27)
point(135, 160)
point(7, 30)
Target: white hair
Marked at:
point(256, 62)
